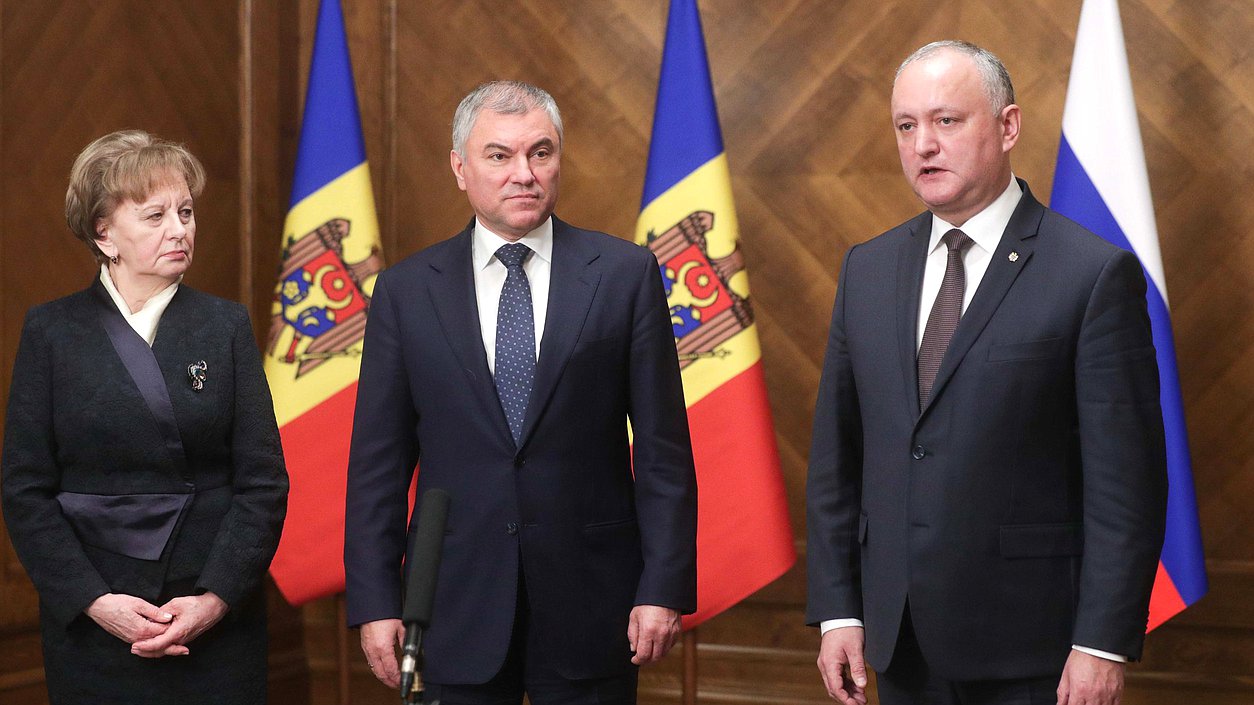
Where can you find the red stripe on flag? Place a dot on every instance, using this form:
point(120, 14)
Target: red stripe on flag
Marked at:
point(1165, 600)
point(744, 538)
point(310, 560)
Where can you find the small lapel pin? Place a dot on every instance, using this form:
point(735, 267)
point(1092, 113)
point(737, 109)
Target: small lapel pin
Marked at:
point(1014, 257)
point(196, 371)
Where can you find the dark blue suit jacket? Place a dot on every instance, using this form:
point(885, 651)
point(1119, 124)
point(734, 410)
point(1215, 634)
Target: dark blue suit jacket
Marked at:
point(564, 508)
point(1022, 510)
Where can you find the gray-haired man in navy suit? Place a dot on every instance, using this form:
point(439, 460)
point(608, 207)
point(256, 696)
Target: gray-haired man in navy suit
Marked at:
point(507, 361)
point(987, 482)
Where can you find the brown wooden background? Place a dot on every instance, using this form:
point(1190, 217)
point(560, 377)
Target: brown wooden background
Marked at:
point(802, 87)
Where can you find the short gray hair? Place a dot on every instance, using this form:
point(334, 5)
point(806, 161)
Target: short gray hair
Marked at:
point(993, 74)
point(506, 98)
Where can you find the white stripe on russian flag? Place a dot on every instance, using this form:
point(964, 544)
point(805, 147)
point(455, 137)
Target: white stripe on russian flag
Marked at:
point(1100, 123)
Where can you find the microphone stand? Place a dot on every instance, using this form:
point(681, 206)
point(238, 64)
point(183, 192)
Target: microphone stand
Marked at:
point(421, 568)
point(411, 666)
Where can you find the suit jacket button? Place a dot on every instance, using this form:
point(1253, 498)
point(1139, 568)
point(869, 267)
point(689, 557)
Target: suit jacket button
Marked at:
point(511, 528)
point(520, 461)
point(918, 452)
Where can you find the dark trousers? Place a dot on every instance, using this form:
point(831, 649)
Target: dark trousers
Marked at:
point(528, 670)
point(909, 681)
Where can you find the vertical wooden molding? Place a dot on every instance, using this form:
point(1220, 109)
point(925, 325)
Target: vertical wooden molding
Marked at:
point(4, 375)
point(247, 169)
point(390, 31)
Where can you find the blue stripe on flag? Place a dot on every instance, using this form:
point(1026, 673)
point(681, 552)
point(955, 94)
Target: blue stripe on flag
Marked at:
point(330, 135)
point(685, 119)
point(1076, 197)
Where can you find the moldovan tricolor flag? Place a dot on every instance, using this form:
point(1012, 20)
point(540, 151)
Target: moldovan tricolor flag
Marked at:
point(687, 218)
point(1101, 183)
point(329, 263)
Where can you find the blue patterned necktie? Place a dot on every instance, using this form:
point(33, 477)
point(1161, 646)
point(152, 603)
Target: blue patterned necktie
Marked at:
point(515, 339)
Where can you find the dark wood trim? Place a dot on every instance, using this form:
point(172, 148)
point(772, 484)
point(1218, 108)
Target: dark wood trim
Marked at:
point(247, 168)
point(387, 213)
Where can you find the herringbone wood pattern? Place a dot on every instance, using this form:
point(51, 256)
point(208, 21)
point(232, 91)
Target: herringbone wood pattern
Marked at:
point(802, 87)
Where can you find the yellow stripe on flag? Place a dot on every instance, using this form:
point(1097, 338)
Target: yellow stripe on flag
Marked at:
point(702, 203)
point(330, 258)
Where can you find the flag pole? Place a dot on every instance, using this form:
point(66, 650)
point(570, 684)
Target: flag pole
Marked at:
point(341, 647)
point(690, 667)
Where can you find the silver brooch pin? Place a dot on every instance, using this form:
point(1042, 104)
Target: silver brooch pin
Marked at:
point(196, 371)
point(1014, 257)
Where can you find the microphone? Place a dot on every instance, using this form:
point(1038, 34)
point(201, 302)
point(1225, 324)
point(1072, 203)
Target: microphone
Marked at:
point(423, 566)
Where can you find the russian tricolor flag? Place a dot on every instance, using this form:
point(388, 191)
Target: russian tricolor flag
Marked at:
point(1101, 183)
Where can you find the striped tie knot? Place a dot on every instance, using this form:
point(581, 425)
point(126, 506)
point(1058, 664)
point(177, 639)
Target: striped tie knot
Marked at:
point(955, 240)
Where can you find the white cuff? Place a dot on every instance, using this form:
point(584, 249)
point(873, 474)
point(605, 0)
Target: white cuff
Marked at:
point(829, 624)
point(1098, 653)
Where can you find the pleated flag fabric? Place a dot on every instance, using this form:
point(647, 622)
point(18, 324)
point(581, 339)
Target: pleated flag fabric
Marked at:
point(1101, 182)
point(330, 258)
point(744, 539)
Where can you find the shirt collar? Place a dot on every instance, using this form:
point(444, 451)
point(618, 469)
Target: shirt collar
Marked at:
point(986, 227)
point(486, 243)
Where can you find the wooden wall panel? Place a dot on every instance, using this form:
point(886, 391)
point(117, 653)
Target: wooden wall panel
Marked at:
point(802, 87)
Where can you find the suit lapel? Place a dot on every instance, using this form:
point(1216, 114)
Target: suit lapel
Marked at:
point(572, 285)
point(911, 256)
point(145, 371)
point(1002, 271)
point(452, 294)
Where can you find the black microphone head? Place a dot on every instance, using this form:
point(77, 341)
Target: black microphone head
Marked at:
point(423, 563)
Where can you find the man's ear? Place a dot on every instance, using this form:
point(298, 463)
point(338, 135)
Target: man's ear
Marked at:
point(455, 161)
point(1010, 118)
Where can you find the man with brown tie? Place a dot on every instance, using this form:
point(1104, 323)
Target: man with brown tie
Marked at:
point(987, 480)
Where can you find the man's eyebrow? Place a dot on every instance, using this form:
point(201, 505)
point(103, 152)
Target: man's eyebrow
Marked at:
point(542, 142)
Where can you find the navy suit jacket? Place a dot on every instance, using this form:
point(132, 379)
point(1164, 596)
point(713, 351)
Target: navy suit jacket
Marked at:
point(1022, 510)
point(564, 508)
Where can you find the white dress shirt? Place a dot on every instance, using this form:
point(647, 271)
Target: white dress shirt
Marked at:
point(145, 320)
point(490, 279)
point(985, 230)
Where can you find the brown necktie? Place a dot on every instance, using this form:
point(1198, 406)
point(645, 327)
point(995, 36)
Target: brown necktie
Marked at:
point(943, 319)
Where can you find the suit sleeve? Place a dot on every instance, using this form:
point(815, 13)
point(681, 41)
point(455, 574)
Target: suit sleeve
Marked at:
point(666, 484)
point(46, 544)
point(249, 533)
point(834, 480)
point(1123, 458)
point(381, 465)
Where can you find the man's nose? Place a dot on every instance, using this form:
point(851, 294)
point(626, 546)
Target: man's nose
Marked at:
point(521, 172)
point(925, 142)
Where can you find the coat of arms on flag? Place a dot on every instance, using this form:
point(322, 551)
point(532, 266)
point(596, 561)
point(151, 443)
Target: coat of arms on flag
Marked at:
point(705, 310)
point(320, 303)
